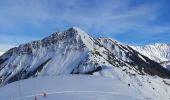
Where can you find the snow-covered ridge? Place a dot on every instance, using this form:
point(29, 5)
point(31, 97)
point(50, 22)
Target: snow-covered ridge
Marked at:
point(73, 51)
point(159, 52)
point(72, 35)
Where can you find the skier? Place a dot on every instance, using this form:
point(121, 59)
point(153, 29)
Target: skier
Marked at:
point(35, 98)
point(44, 94)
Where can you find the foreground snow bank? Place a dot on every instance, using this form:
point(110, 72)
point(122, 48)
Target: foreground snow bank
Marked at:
point(69, 87)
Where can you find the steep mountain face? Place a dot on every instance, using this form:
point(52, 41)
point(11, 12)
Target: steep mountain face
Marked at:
point(157, 52)
point(75, 52)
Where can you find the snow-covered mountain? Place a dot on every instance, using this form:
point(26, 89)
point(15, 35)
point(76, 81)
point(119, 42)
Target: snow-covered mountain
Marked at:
point(75, 52)
point(159, 52)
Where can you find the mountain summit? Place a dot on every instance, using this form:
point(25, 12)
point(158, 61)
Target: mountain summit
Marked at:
point(74, 52)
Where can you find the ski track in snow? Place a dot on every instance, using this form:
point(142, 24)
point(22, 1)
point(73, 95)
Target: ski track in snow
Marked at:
point(63, 92)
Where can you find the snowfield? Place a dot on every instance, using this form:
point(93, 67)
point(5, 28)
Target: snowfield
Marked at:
point(69, 87)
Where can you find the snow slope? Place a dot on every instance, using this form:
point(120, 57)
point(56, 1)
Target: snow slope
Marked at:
point(72, 87)
point(1, 53)
point(158, 52)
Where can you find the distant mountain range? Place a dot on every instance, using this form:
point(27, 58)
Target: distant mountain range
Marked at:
point(73, 51)
point(158, 52)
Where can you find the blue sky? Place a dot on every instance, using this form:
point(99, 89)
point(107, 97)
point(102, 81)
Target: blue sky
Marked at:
point(136, 22)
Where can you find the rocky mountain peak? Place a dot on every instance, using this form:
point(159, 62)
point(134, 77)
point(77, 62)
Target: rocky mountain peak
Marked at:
point(74, 37)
